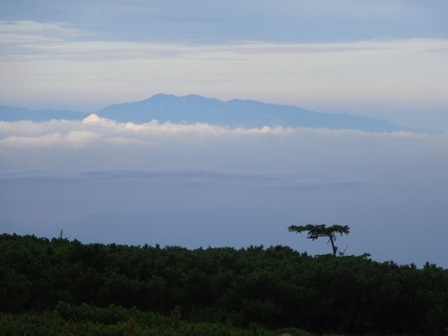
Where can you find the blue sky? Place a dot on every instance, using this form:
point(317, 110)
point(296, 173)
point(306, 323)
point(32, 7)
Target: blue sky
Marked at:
point(224, 21)
point(201, 185)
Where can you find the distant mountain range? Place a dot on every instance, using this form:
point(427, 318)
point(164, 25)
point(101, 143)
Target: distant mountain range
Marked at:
point(196, 109)
point(17, 114)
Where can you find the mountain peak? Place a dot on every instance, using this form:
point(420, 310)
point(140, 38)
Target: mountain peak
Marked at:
point(194, 108)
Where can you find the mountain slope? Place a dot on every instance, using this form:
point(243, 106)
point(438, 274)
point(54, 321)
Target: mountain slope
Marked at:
point(17, 114)
point(235, 113)
point(196, 109)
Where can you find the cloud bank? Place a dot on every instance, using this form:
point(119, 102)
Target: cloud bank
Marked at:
point(199, 185)
point(98, 143)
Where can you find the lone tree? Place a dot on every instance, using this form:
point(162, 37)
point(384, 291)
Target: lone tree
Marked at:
point(321, 230)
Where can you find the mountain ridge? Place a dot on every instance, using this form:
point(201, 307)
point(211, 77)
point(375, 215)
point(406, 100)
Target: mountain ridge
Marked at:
point(236, 113)
point(194, 108)
point(12, 114)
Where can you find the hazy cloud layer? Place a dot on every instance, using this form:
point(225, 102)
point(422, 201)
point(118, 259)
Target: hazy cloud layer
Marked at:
point(200, 185)
point(97, 142)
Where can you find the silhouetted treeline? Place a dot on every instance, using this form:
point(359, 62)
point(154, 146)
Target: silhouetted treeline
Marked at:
point(274, 287)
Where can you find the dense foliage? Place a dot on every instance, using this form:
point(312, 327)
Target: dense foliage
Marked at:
point(70, 320)
point(273, 287)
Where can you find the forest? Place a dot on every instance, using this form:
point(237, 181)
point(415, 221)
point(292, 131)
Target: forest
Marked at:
point(61, 286)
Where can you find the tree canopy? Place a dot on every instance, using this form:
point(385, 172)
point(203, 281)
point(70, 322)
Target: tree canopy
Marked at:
point(274, 287)
point(321, 230)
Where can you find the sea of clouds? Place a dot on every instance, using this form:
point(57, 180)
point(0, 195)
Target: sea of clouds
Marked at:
point(203, 185)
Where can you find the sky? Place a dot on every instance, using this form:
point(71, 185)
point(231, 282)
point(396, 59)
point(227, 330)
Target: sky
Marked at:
point(383, 58)
point(202, 185)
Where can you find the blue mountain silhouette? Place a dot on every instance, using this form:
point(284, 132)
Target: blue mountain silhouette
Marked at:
point(196, 109)
point(236, 113)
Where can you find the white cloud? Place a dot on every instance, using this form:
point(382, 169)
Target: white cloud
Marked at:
point(81, 138)
point(92, 129)
point(98, 143)
point(31, 142)
point(74, 139)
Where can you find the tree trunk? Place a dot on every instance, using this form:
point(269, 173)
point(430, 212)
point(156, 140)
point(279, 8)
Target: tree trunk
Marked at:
point(335, 248)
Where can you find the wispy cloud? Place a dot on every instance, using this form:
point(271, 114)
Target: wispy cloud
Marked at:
point(34, 31)
point(25, 38)
point(191, 177)
point(55, 64)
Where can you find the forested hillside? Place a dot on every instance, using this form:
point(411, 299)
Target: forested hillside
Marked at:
point(273, 288)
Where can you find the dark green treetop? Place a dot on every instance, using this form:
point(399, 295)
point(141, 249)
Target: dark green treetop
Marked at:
point(321, 230)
